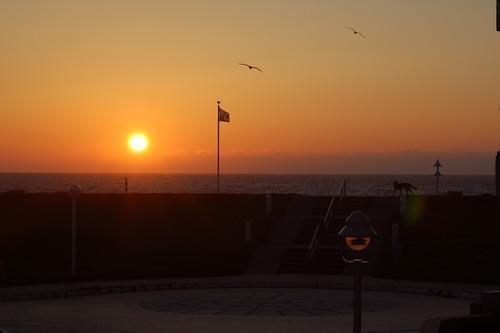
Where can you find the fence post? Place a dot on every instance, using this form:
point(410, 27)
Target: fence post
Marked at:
point(74, 192)
point(269, 203)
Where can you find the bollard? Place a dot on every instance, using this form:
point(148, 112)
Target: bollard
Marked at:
point(248, 232)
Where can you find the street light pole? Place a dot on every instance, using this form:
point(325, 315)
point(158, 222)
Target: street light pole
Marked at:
point(356, 325)
point(357, 233)
point(498, 15)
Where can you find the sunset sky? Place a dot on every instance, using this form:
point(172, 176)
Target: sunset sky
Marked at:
point(77, 78)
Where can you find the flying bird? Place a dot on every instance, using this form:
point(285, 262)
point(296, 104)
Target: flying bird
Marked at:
point(252, 67)
point(356, 32)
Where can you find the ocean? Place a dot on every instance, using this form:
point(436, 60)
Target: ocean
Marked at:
point(357, 185)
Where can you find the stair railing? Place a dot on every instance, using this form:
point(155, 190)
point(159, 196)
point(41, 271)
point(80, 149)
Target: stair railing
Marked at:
point(321, 227)
point(334, 202)
point(343, 188)
point(314, 241)
point(342, 194)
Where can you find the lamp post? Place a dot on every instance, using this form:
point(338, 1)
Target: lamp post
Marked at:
point(358, 234)
point(437, 174)
point(74, 192)
point(498, 15)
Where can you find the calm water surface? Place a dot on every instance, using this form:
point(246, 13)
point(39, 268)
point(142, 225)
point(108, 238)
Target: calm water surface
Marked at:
point(375, 185)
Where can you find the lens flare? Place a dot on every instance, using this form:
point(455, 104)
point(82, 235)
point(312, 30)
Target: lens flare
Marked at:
point(415, 206)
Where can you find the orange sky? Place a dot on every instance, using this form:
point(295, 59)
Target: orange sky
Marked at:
point(78, 77)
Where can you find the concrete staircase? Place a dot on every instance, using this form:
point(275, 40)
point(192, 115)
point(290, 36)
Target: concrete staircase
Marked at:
point(327, 258)
point(267, 257)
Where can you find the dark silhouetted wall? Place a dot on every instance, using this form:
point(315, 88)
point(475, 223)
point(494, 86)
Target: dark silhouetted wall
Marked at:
point(497, 174)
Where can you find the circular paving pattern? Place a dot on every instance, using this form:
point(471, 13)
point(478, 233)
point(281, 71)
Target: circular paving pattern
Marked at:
point(264, 302)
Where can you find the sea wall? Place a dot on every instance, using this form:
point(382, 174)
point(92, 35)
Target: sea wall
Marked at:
point(442, 238)
point(446, 238)
point(128, 235)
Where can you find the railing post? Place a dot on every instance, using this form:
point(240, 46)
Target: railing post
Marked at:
point(269, 203)
point(74, 192)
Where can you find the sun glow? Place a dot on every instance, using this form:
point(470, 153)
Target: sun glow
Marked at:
point(138, 142)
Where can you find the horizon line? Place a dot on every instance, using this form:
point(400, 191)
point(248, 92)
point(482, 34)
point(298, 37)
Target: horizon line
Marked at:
point(238, 173)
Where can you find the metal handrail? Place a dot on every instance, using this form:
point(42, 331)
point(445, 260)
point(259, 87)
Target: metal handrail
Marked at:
point(343, 188)
point(313, 240)
point(329, 211)
point(334, 202)
point(342, 194)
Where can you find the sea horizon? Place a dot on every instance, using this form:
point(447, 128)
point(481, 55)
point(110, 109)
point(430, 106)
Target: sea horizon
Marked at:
point(308, 184)
point(239, 173)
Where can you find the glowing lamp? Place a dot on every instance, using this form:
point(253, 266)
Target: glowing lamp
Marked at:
point(357, 243)
point(357, 231)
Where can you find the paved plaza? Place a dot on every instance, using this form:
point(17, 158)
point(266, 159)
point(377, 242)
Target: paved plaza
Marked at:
point(227, 310)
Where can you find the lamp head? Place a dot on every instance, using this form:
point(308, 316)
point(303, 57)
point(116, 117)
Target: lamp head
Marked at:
point(357, 231)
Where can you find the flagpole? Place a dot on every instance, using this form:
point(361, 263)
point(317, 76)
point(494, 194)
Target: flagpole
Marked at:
point(218, 147)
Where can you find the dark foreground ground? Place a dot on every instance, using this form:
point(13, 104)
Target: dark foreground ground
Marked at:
point(248, 303)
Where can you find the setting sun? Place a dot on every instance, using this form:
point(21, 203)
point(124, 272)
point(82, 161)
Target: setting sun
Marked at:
point(138, 142)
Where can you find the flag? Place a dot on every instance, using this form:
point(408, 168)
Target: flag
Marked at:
point(223, 115)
